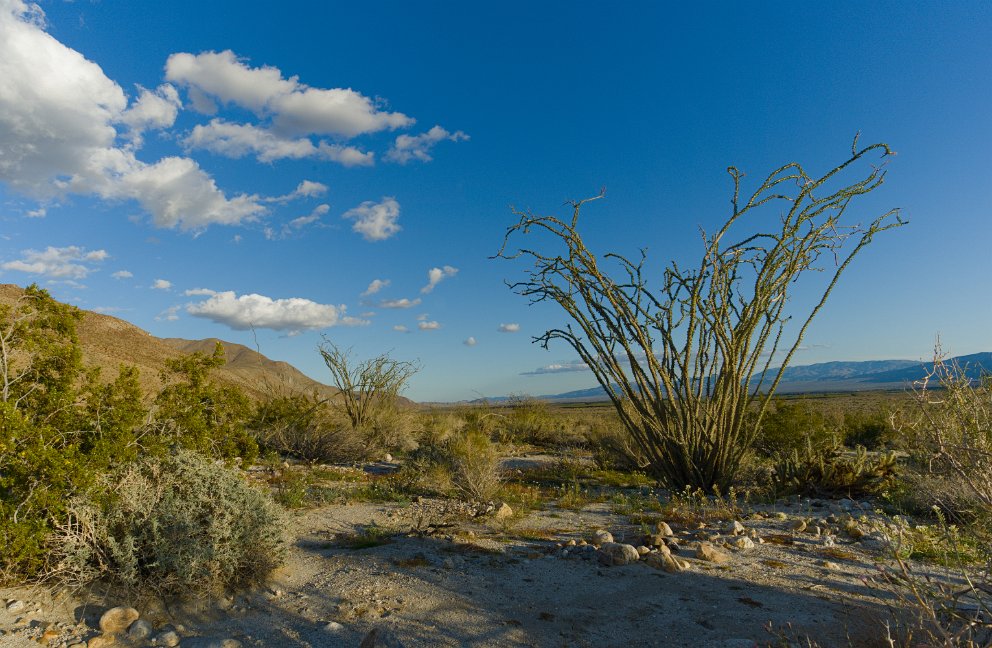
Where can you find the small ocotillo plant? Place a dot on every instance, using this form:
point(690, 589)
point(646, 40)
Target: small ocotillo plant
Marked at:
point(684, 362)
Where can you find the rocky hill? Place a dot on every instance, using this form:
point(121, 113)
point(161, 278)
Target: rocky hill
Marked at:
point(109, 342)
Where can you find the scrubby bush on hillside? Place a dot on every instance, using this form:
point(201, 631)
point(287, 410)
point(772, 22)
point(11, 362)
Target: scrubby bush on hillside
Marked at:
point(304, 427)
point(178, 523)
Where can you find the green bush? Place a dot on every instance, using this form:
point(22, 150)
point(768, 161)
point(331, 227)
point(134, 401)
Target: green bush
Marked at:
point(304, 427)
point(174, 524)
point(830, 471)
point(791, 427)
point(869, 429)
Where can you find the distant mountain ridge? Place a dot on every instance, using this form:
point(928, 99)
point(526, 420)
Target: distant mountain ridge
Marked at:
point(837, 376)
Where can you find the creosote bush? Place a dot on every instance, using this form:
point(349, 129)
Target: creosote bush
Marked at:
point(178, 524)
point(686, 360)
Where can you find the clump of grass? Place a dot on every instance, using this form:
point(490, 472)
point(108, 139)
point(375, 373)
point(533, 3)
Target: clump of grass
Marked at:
point(523, 498)
point(622, 479)
point(574, 497)
point(637, 504)
point(413, 562)
point(370, 535)
point(693, 506)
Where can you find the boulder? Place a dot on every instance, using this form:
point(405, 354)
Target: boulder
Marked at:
point(709, 553)
point(615, 553)
point(117, 620)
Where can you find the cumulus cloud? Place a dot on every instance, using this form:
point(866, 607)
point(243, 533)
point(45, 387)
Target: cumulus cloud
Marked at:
point(418, 147)
point(152, 110)
point(565, 367)
point(57, 263)
point(293, 107)
point(375, 221)
point(428, 326)
point(306, 189)
point(375, 286)
point(58, 133)
point(246, 311)
point(508, 328)
point(399, 328)
point(122, 274)
point(170, 314)
point(436, 275)
point(470, 341)
point(162, 284)
point(399, 303)
point(37, 213)
point(239, 140)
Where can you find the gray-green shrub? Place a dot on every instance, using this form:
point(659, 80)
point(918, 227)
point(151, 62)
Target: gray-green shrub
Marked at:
point(179, 523)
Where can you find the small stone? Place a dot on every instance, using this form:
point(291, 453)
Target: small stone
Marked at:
point(169, 638)
point(139, 630)
point(615, 553)
point(448, 563)
point(503, 512)
point(779, 515)
point(333, 627)
point(103, 641)
point(709, 553)
point(798, 525)
point(117, 620)
point(734, 528)
point(16, 606)
point(743, 543)
point(832, 566)
point(655, 540)
point(664, 529)
point(601, 537)
point(642, 550)
point(388, 458)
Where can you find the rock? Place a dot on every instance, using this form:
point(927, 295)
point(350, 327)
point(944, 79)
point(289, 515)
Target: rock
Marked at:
point(655, 540)
point(103, 641)
point(709, 553)
point(798, 525)
point(333, 627)
point(734, 528)
point(672, 545)
point(448, 563)
point(826, 564)
point(664, 529)
point(139, 630)
point(742, 543)
point(169, 638)
point(117, 620)
point(503, 512)
point(615, 553)
point(875, 541)
point(779, 515)
point(380, 638)
point(16, 606)
point(666, 562)
point(642, 550)
point(388, 458)
point(601, 537)
point(210, 642)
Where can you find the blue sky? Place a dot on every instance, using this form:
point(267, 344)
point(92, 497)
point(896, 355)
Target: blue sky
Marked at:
point(193, 167)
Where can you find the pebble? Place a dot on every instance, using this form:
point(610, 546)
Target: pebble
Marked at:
point(169, 638)
point(139, 630)
point(743, 543)
point(734, 528)
point(333, 627)
point(664, 529)
point(615, 553)
point(503, 512)
point(601, 537)
point(16, 606)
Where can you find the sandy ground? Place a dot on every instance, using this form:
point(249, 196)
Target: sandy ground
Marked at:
point(480, 583)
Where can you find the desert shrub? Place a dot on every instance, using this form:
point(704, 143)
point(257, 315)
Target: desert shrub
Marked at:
point(176, 524)
point(475, 465)
point(614, 449)
point(832, 471)
point(793, 426)
point(871, 430)
point(303, 426)
point(685, 359)
point(201, 415)
point(949, 435)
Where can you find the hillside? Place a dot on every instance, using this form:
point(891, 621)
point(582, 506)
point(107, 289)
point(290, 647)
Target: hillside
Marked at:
point(109, 342)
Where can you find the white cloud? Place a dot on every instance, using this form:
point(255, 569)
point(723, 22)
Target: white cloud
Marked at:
point(428, 326)
point(295, 108)
point(399, 328)
point(122, 274)
point(306, 189)
point(156, 110)
point(375, 221)
point(162, 284)
point(399, 303)
point(247, 311)
point(566, 367)
point(508, 328)
point(470, 341)
point(418, 147)
point(436, 275)
point(37, 213)
point(423, 317)
point(58, 133)
point(375, 286)
point(238, 140)
point(57, 263)
point(200, 292)
point(297, 224)
point(170, 314)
